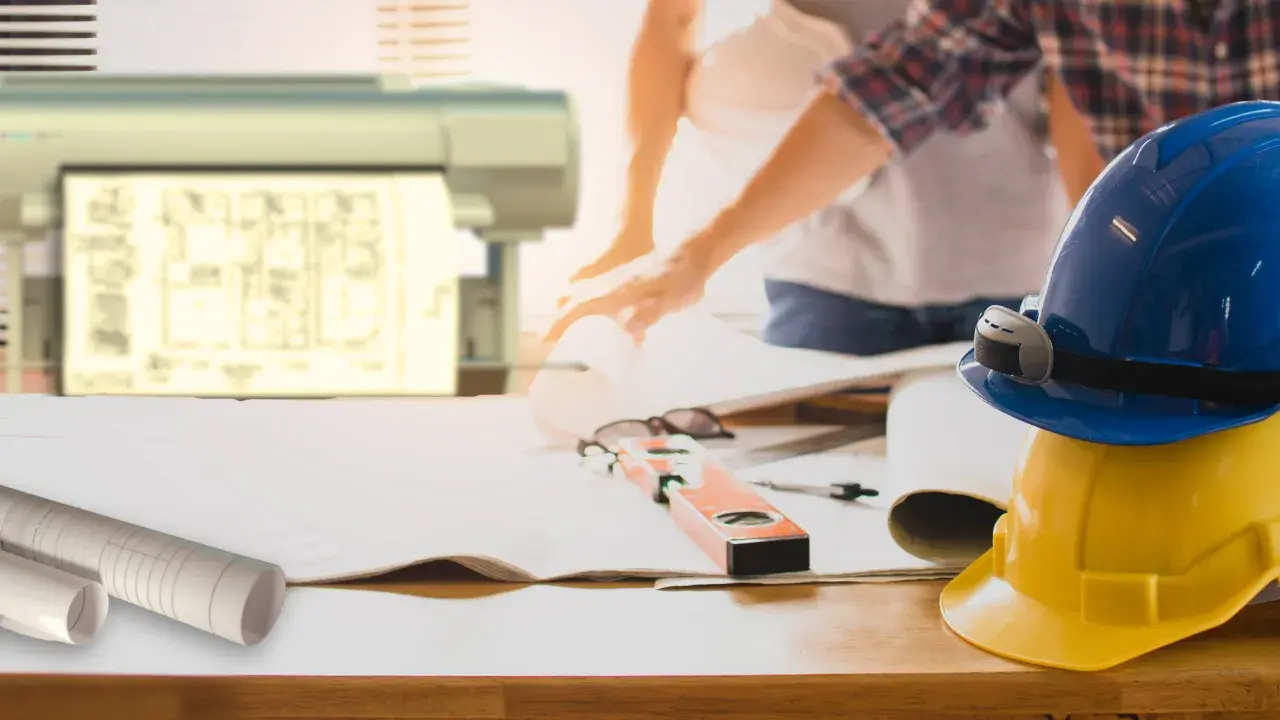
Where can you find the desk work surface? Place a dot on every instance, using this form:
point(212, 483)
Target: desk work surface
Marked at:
point(478, 649)
point(423, 643)
point(333, 490)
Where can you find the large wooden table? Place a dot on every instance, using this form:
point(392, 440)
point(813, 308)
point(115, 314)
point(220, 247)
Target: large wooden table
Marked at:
point(758, 653)
point(874, 651)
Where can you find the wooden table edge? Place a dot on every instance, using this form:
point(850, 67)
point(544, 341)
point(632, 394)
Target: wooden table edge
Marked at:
point(1031, 692)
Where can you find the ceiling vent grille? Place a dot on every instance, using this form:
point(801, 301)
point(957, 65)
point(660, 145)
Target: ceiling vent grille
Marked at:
point(48, 36)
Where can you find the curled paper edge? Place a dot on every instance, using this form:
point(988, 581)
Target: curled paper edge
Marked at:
point(46, 603)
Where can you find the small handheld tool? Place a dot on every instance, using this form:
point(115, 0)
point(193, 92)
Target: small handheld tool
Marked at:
point(838, 491)
point(739, 530)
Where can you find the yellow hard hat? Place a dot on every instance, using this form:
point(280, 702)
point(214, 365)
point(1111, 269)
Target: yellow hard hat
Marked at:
point(1109, 552)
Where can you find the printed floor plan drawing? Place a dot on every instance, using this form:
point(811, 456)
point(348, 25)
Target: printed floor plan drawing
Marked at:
point(308, 270)
point(259, 284)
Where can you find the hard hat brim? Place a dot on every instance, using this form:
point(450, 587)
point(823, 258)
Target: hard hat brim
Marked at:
point(1101, 416)
point(987, 612)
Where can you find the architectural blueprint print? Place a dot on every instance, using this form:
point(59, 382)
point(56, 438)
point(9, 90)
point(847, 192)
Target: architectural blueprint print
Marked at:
point(261, 284)
point(275, 263)
point(111, 206)
point(195, 273)
point(111, 265)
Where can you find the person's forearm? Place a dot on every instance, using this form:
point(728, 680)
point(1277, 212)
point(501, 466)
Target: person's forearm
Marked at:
point(1077, 156)
point(830, 148)
point(660, 64)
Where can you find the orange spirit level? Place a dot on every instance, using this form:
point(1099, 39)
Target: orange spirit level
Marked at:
point(737, 528)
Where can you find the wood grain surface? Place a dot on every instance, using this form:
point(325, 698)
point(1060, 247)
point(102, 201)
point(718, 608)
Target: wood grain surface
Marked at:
point(874, 651)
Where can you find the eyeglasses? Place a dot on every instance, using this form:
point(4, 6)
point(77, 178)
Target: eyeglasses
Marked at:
point(697, 423)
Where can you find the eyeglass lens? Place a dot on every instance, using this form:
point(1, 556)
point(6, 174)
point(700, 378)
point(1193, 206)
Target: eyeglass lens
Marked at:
point(694, 422)
point(609, 435)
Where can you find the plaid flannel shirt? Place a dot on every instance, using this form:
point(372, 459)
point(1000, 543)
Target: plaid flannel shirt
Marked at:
point(1130, 66)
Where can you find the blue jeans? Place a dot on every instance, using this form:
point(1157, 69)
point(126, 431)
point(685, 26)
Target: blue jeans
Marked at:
point(804, 317)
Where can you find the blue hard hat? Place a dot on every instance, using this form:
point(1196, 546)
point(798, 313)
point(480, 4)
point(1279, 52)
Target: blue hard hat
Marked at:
point(1159, 319)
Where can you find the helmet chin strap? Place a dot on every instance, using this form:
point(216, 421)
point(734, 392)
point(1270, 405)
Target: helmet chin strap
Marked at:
point(1016, 345)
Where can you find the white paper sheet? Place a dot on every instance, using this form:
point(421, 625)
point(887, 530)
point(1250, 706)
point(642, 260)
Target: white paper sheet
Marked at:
point(694, 360)
point(331, 632)
point(45, 603)
point(233, 597)
point(951, 461)
point(279, 284)
point(333, 489)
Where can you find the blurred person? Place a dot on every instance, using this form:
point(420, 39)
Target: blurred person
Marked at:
point(909, 257)
point(1128, 68)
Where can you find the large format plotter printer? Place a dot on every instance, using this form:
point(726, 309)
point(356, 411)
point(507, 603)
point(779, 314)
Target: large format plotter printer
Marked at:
point(509, 158)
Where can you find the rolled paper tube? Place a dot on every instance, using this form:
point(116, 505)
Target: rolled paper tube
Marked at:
point(49, 604)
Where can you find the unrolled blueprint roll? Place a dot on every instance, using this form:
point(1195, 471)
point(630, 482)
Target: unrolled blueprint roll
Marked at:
point(692, 359)
point(48, 604)
point(951, 458)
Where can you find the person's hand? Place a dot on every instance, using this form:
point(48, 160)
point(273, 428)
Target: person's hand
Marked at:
point(630, 243)
point(643, 300)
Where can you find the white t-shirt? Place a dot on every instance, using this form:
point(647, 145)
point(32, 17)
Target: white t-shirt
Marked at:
point(961, 217)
